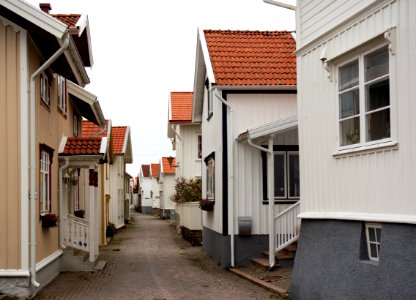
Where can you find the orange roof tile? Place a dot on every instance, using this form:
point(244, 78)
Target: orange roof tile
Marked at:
point(146, 170)
point(82, 146)
point(166, 167)
point(154, 169)
point(68, 19)
point(252, 57)
point(118, 134)
point(181, 107)
point(89, 128)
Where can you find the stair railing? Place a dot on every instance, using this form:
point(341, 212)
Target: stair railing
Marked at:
point(287, 226)
point(76, 233)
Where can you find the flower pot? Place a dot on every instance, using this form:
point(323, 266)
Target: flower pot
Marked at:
point(49, 220)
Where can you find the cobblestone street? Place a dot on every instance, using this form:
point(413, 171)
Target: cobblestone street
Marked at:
point(148, 260)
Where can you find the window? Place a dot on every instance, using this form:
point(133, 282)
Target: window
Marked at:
point(199, 146)
point(75, 125)
point(46, 155)
point(45, 89)
point(210, 167)
point(209, 99)
point(373, 235)
point(61, 94)
point(364, 99)
point(286, 174)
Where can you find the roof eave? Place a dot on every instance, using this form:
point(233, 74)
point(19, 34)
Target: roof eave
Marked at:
point(256, 87)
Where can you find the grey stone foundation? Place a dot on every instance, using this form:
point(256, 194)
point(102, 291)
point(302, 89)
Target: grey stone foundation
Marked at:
point(332, 262)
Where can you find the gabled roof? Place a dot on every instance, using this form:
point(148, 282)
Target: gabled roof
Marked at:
point(252, 57)
point(180, 107)
point(80, 32)
point(48, 34)
point(166, 168)
point(122, 142)
point(84, 146)
point(154, 170)
point(91, 129)
point(146, 171)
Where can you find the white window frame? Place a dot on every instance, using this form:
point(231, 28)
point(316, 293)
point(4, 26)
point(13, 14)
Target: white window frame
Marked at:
point(376, 242)
point(285, 172)
point(210, 167)
point(199, 146)
point(45, 91)
point(45, 182)
point(210, 102)
point(290, 153)
point(62, 103)
point(362, 101)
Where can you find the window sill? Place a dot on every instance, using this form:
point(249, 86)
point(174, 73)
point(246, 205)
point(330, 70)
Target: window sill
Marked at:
point(288, 201)
point(370, 262)
point(367, 148)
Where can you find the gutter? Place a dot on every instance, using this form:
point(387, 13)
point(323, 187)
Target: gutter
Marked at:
point(270, 194)
point(230, 160)
point(280, 4)
point(32, 160)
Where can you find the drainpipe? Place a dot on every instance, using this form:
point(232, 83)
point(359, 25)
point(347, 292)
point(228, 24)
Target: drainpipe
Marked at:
point(32, 146)
point(230, 173)
point(270, 195)
point(61, 212)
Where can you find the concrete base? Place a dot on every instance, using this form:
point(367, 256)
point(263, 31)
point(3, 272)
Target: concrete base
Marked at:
point(218, 247)
point(332, 262)
point(146, 210)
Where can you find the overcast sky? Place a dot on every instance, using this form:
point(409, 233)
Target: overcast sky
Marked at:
point(143, 50)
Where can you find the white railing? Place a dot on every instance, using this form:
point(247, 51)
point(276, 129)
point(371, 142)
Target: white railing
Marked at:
point(76, 233)
point(287, 226)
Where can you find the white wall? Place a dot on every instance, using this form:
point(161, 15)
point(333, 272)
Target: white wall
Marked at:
point(168, 189)
point(155, 190)
point(146, 186)
point(117, 191)
point(365, 185)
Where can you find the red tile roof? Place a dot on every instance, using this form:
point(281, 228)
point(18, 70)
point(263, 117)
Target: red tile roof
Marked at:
point(118, 134)
point(89, 128)
point(82, 146)
point(252, 57)
point(181, 107)
point(146, 170)
point(167, 169)
point(154, 170)
point(68, 19)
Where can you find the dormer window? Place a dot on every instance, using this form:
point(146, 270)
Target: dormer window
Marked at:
point(45, 89)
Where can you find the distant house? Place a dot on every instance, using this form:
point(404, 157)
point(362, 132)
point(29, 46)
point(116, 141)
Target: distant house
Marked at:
point(155, 189)
point(245, 99)
point(121, 141)
point(356, 77)
point(167, 188)
point(185, 135)
point(43, 159)
point(145, 189)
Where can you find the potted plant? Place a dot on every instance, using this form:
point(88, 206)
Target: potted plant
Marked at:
point(49, 220)
point(79, 213)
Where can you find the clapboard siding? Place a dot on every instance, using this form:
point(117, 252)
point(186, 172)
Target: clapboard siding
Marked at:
point(364, 184)
point(189, 165)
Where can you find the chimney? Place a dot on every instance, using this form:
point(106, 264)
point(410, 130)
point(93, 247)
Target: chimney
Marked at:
point(45, 7)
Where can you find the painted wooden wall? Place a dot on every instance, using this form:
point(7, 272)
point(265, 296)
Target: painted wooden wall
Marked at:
point(189, 165)
point(365, 185)
point(117, 191)
point(167, 184)
point(10, 213)
point(146, 186)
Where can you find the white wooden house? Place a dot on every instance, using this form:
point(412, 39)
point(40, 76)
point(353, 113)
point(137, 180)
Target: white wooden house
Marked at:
point(121, 142)
point(185, 135)
point(167, 187)
point(243, 80)
point(356, 76)
point(155, 189)
point(145, 181)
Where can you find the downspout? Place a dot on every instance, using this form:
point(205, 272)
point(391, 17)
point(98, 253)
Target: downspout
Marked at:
point(230, 173)
point(270, 195)
point(32, 148)
point(60, 180)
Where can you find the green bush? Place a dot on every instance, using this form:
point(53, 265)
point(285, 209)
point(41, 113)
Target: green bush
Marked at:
point(187, 190)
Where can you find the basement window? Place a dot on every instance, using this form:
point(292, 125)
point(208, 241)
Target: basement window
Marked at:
point(373, 236)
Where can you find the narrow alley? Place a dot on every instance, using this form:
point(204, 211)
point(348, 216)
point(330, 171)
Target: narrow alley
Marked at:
point(148, 260)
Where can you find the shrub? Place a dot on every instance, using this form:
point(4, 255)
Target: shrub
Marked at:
point(187, 190)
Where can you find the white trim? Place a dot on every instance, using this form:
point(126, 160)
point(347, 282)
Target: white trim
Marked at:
point(36, 17)
point(369, 217)
point(81, 24)
point(14, 273)
point(275, 127)
point(62, 144)
point(46, 261)
point(257, 87)
point(126, 139)
point(206, 57)
point(24, 154)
